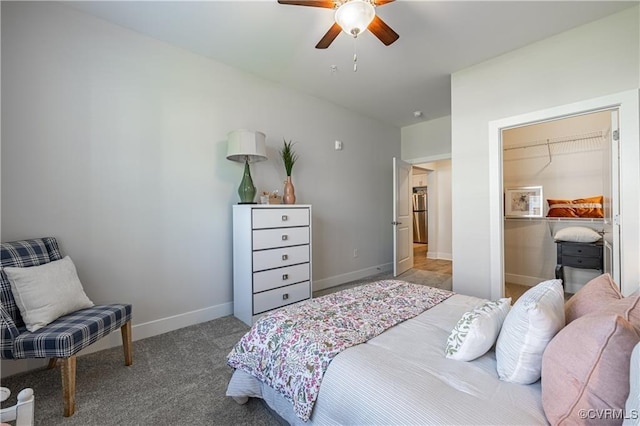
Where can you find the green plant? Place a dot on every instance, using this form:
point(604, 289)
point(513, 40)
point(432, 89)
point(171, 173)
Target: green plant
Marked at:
point(289, 157)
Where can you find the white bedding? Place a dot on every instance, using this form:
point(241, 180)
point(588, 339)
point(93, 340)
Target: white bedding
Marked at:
point(403, 377)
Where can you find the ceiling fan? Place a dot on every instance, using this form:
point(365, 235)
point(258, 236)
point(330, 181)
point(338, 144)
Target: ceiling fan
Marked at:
point(353, 17)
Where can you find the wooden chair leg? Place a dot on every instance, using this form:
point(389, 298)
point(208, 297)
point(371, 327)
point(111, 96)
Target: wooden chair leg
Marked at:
point(126, 343)
point(52, 363)
point(69, 385)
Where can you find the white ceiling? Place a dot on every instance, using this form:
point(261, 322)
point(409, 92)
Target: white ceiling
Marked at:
point(277, 42)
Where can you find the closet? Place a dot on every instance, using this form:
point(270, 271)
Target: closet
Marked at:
point(566, 160)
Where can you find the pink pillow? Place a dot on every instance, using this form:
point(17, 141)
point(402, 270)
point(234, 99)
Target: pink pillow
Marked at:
point(627, 307)
point(586, 366)
point(592, 297)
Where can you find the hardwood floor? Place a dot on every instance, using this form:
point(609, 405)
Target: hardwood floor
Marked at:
point(514, 291)
point(421, 262)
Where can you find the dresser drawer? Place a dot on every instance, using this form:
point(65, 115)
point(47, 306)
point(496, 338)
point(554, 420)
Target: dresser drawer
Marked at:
point(277, 258)
point(581, 262)
point(267, 280)
point(278, 218)
point(581, 250)
point(272, 299)
point(283, 237)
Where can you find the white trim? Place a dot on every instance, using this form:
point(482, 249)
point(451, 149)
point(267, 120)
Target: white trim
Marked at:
point(523, 279)
point(439, 256)
point(139, 331)
point(175, 322)
point(532, 281)
point(428, 159)
point(350, 276)
point(628, 104)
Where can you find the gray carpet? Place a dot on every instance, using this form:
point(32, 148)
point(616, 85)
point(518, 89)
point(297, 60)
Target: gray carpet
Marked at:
point(176, 378)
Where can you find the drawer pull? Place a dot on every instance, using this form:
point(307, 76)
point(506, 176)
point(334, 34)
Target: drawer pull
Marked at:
point(285, 217)
point(285, 296)
point(285, 257)
point(285, 277)
point(285, 237)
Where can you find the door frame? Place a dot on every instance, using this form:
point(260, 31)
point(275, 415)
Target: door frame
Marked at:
point(628, 105)
point(434, 218)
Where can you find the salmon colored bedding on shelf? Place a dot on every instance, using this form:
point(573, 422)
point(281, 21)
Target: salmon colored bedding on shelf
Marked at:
point(590, 207)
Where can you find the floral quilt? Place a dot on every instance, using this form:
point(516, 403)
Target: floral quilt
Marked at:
point(291, 348)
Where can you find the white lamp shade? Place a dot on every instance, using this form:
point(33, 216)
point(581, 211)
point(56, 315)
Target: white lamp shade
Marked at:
point(355, 16)
point(245, 144)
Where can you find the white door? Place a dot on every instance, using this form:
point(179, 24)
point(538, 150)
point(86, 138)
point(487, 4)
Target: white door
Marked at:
point(611, 159)
point(402, 218)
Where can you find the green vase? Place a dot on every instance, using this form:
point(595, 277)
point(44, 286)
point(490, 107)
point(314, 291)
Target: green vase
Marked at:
point(246, 191)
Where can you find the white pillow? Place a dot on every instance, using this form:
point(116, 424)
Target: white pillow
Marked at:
point(577, 234)
point(532, 322)
point(477, 330)
point(47, 292)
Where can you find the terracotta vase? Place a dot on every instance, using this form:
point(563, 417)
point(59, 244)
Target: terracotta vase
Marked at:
point(289, 196)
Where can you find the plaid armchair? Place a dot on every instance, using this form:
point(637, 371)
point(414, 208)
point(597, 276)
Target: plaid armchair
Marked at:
point(63, 338)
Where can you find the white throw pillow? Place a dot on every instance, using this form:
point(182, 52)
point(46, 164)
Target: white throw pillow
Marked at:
point(477, 330)
point(577, 234)
point(530, 325)
point(47, 292)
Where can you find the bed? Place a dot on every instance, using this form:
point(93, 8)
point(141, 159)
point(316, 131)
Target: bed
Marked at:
point(402, 376)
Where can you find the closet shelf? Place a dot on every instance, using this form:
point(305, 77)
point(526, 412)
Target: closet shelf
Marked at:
point(558, 219)
point(546, 142)
point(592, 141)
point(554, 222)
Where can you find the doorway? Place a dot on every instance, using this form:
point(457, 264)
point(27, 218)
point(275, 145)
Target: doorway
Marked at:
point(559, 159)
point(627, 105)
point(431, 190)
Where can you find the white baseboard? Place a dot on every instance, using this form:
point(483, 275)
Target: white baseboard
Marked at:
point(523, 279)
point(10, 367)
point(437, 255)
point(570, 286)
point(350, 276)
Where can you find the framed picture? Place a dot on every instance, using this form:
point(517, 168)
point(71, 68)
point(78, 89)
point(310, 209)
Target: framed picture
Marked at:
point(524, 201)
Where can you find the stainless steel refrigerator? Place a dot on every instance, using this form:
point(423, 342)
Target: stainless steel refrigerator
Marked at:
point(420, 215)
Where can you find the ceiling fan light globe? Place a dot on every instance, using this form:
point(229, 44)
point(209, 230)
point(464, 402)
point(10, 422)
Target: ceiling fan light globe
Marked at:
point(355, 16)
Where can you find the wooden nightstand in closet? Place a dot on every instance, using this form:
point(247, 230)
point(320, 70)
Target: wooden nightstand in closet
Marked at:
point(271, 258)
point(578, 255)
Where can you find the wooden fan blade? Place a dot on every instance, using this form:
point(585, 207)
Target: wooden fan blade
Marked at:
point(329, 4)
point(382, 2)
point(329, 37)
point(383, 31)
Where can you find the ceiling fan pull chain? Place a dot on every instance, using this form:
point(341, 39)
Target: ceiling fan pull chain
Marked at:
point(355, 54)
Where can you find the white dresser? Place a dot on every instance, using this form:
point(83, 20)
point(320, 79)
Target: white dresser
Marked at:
point(271, 258)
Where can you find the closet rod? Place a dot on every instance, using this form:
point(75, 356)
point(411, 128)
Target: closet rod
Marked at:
point(594, 135)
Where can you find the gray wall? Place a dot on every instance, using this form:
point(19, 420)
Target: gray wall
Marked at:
point(427, 141)
point(115, 144)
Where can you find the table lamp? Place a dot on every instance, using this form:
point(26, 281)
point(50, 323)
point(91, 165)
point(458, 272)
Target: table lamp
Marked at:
point(247, 146)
